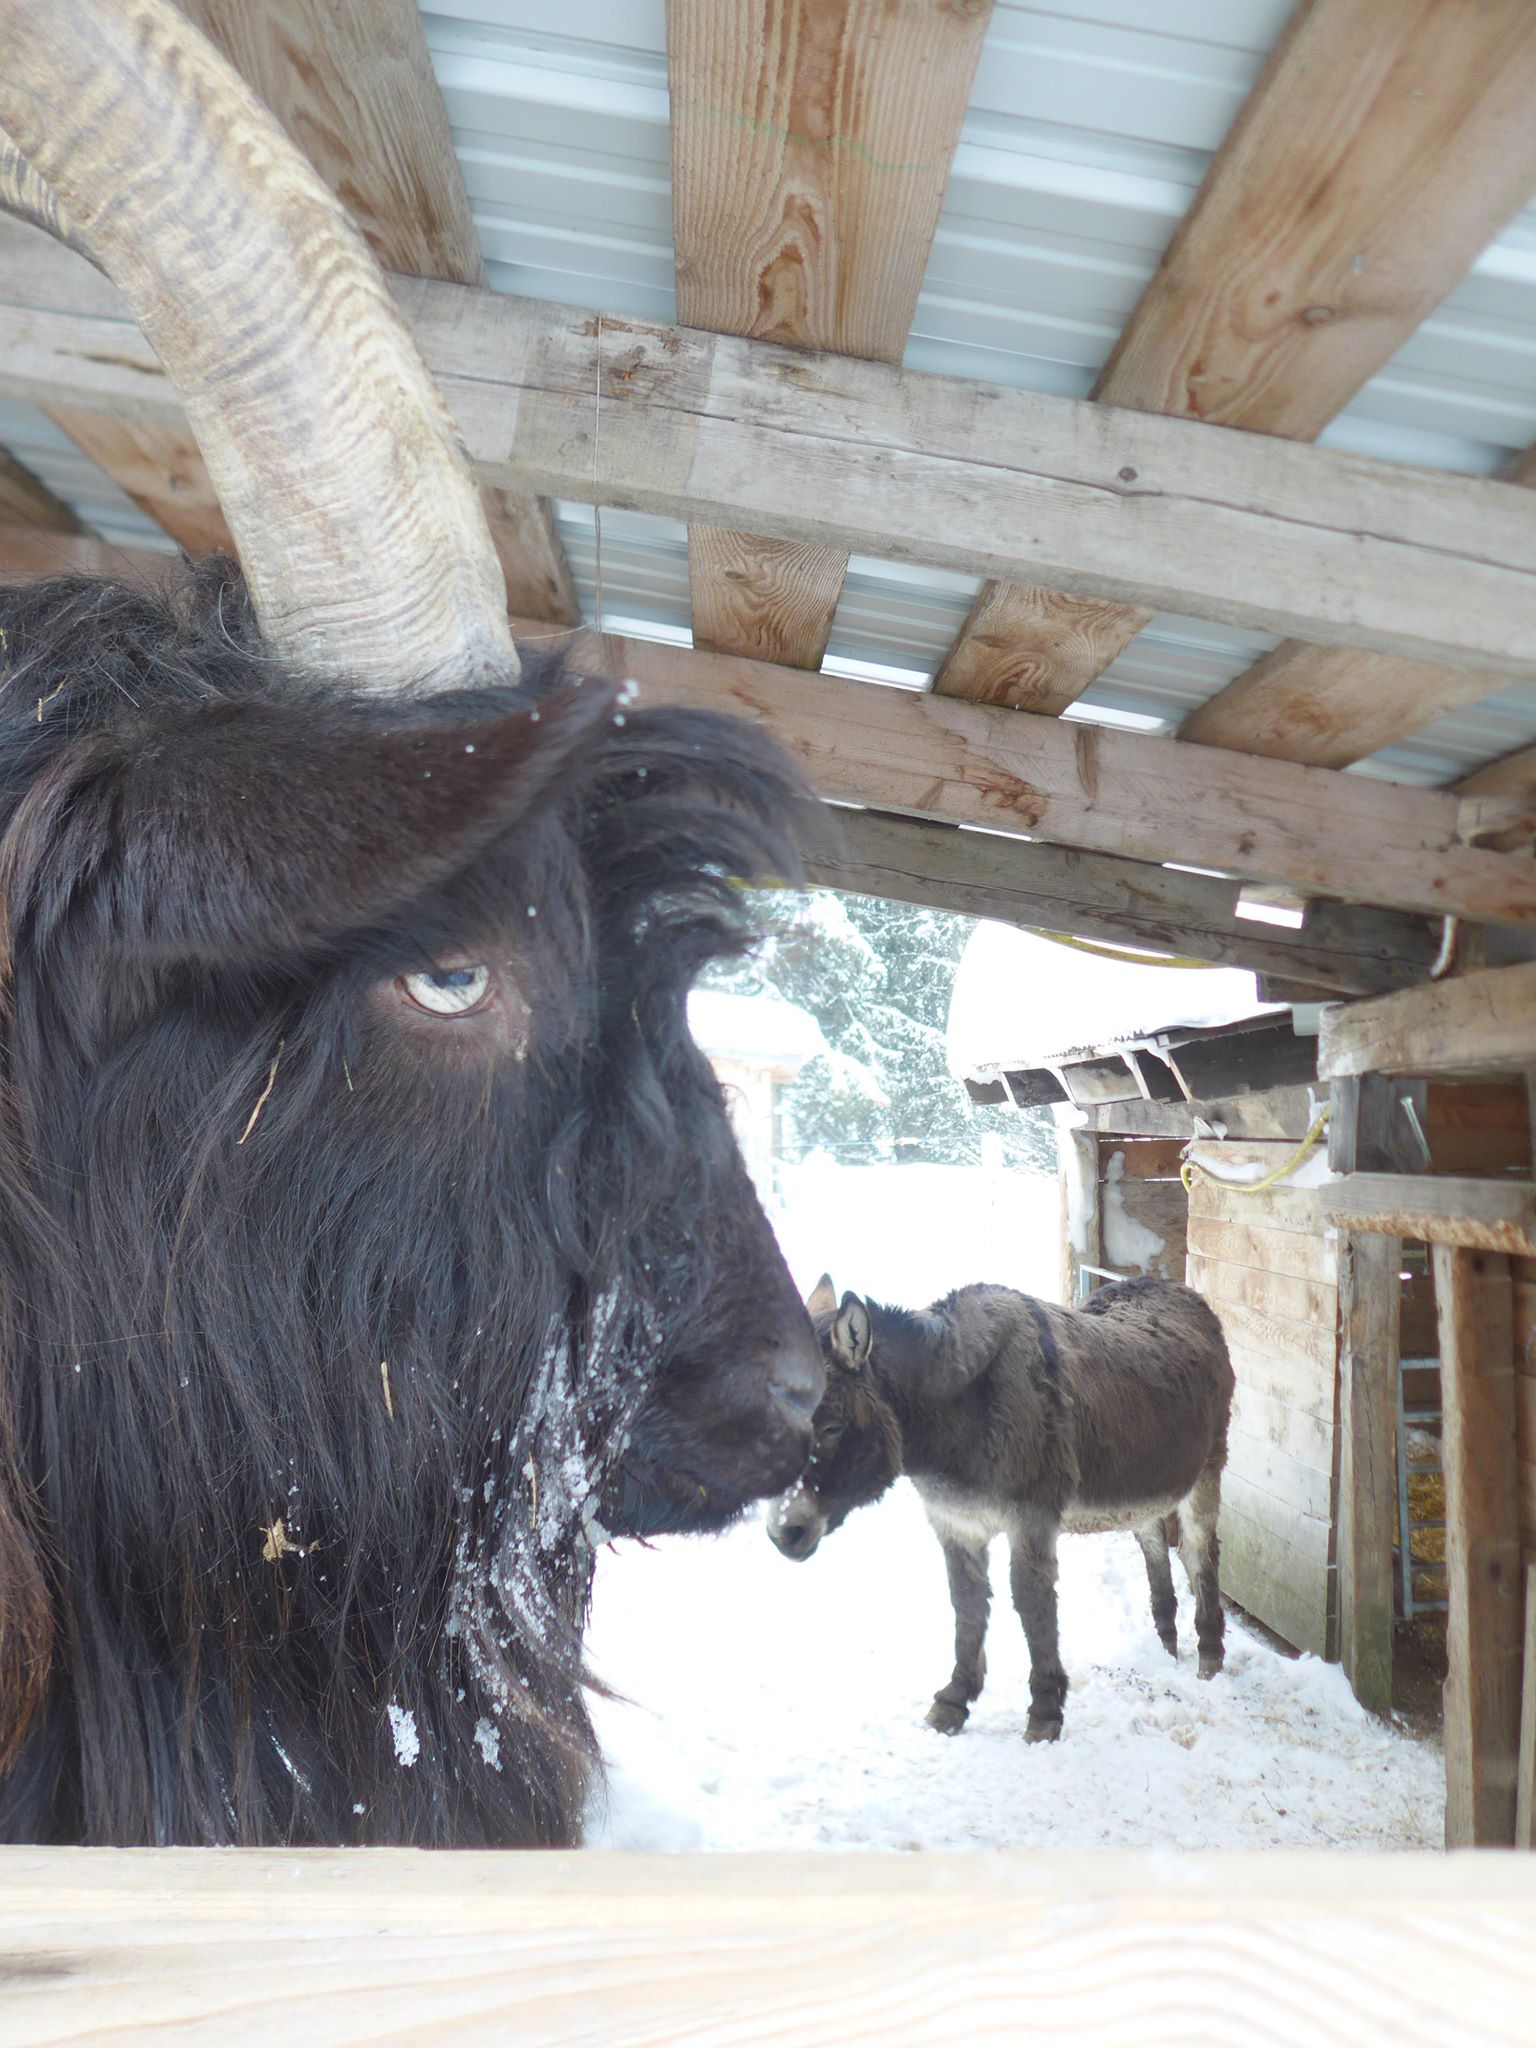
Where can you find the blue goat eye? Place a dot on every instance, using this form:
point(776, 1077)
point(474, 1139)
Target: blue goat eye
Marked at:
point(447, 991)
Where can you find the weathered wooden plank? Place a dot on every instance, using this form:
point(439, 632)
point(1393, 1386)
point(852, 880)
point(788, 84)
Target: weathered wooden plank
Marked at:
point(1474, 1024)
point(1279, 1113)
point(1479, 1126)
point(1305, 1352)
point(1511, 775)
point(1369, 1297)
point(1264, 1573)
point(161, 469)
point(1485, 1215)
point(1261, 1247)
point(1159, 1206)
point(1377, 156)
point(1051, 888)
point(1309, 1439)
point(1302, 1300)
point(890, 462)
point(322, 1948)
point(1482, 1546)
point(30, 552)
point(810, 150)
point(1082, 1216)
point(1258, 1460)
point(1280, 1208)
point(1329, 705)
point(25, 500)
point(1376, 1124)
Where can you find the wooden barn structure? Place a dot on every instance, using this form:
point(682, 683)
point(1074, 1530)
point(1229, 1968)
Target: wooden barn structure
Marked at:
point(1092, 438)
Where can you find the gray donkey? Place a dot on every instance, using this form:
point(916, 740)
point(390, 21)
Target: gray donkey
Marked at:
point(1011, 1415)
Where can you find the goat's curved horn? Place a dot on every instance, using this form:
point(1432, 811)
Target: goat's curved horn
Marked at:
point(338, 467)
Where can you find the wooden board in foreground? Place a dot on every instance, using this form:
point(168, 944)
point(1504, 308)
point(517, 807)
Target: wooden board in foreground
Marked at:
point(1002, 1951)
point(1474, 1024)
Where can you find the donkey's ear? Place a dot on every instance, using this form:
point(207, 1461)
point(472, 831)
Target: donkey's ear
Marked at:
point(851, 1334)
point(254, 828)
point(822, 1299)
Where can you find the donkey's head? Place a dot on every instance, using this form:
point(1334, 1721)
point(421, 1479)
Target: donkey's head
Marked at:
point(855, 1435)
point(374, 1241)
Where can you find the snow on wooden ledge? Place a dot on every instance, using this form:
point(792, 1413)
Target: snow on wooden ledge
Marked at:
point(258, 1947)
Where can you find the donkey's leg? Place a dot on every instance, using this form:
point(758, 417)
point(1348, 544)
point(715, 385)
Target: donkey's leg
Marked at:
point(1033, 1579)
point(1200, 1553)
point(971, 1592)
point(1153, 1538)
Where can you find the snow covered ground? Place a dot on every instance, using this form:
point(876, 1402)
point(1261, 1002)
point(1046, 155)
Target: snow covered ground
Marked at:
point(770, 1705)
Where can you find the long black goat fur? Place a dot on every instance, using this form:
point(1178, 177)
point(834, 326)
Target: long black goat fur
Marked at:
point(333, 1338)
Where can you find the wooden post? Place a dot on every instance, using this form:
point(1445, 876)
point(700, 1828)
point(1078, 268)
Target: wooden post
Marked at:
point(1078, 1152)
point(1475, 1306)
point(1525, 1777)
point(1369, 1300)
point(1376, 1124)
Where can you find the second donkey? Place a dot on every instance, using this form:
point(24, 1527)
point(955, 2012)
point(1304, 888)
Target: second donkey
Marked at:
point(1014, 1417)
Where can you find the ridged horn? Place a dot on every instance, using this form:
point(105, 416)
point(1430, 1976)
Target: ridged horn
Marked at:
point(339, 470)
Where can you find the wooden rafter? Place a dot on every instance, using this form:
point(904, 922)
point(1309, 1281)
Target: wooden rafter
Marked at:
point(1086, 786)
point(1129, 903)
point(1333, 705)
point(28, 552)
point(811, 145)
point(1379, 153)
point(1472, 1024)
point(351, 81)
point(916, 468)
point(25, 500)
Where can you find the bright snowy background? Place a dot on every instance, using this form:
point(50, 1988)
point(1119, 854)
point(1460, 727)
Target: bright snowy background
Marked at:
point(770, 1705)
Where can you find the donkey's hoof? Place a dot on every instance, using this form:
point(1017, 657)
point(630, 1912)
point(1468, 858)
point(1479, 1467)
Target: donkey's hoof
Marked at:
point(1211, 1662)
point(947, 1717)
point(1037, 1730)
point(1171, 1644)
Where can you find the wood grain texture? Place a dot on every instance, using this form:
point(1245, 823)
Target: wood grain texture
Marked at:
point(1334, 705)
point(811, 144)
point(1033, 648)
point(1483, 1215)
point(1369, 1298)
point(1482, 1546)
point(1511, 775)
point(160, 469)
point(1379, 153)
point(1089, 1951)
point(1051, 888)
point(830, 450)
point(28, 553)
point(25, 500)
point(1473, 1024)
point(1080, 785)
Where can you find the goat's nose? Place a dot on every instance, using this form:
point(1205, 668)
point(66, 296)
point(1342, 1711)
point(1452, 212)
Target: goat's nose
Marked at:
point(796, 1375)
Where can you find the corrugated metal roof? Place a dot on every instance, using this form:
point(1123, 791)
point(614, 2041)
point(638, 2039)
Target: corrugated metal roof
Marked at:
point(1086, 138)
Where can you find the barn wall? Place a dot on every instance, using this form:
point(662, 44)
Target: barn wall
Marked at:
point(1268, 1265)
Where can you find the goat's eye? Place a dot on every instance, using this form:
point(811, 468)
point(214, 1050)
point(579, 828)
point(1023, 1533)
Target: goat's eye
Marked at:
point(448, 991)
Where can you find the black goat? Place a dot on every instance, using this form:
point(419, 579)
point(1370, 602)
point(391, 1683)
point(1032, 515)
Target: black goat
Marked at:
point(372, 1237)
point(1011, 1415)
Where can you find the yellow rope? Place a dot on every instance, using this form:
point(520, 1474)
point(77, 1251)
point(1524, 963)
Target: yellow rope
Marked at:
point(1120, 953)
point(1191, 1167)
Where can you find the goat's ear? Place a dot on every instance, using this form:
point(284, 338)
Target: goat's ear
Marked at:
point(851, 1334)
point(254, 828)
point(822, 1299)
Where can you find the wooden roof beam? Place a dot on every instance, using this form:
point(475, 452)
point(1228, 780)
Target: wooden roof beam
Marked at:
point(1334, 705)
point(811, 145)
point(30, 552)
point(1379, 153)
point(1041, 887)
point(1090, 787)
point(351, 81)
point(25, 500)
point(865, 456)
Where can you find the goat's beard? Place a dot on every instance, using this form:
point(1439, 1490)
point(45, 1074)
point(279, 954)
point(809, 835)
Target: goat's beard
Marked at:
point(328, 1459)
